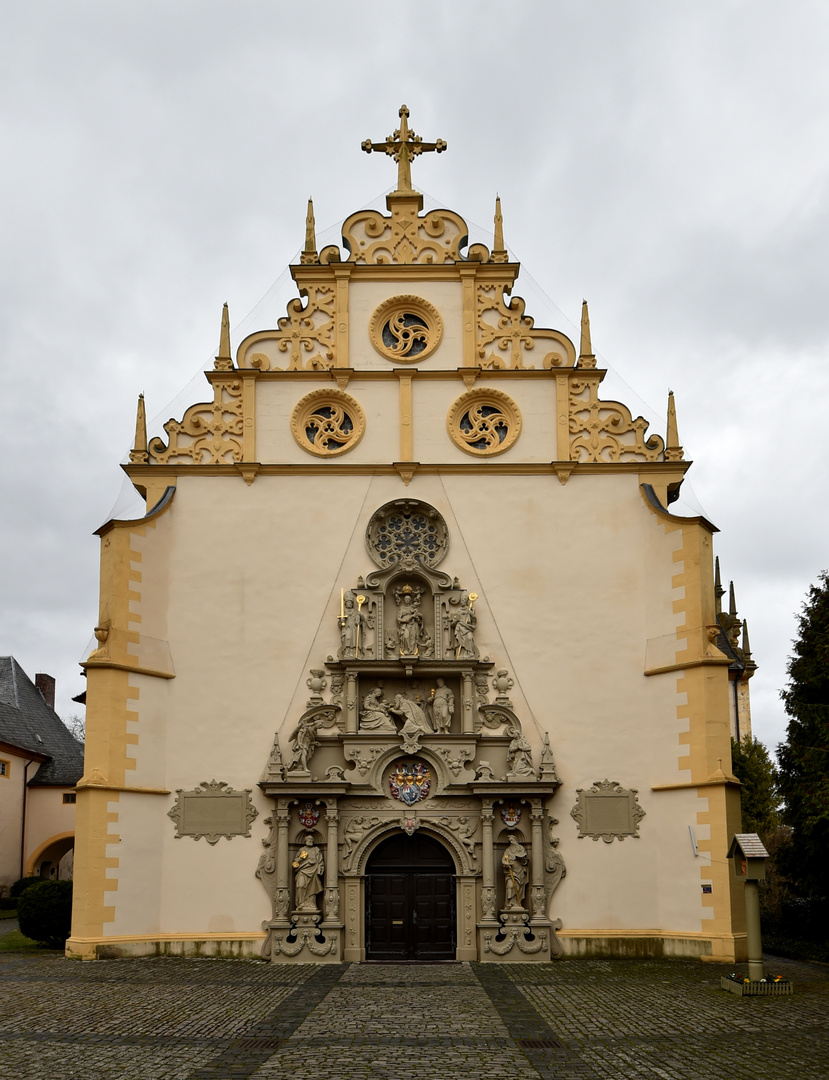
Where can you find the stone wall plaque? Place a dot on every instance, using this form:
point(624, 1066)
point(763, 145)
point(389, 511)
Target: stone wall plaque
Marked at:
point(212, 810)
point(607, 811)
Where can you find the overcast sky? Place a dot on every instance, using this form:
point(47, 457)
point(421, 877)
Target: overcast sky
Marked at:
point(667, 161)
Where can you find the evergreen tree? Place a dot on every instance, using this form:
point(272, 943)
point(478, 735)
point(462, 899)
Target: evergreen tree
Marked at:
point(754, 768)
point(803, 759)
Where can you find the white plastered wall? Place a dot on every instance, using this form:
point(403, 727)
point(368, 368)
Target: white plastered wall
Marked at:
point(365, 296)
point(573, 581)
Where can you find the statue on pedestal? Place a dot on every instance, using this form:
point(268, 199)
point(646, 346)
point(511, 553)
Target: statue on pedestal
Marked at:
point(309, 866)
point(443, 707)
point(353, 625)
point(514, 862)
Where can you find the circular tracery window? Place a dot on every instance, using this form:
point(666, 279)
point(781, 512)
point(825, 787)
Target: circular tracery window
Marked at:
point(407, 533)
point(405, 329)
point(484, 422)
point(327, 422)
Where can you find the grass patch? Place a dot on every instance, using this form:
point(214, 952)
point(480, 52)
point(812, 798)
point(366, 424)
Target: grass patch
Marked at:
point(14, 941)
point(7, 914)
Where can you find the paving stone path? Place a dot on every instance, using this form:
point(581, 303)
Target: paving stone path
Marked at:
point(170, 1019)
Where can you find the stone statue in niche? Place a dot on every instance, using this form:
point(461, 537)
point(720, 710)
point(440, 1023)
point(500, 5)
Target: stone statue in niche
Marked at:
point(414, 718)
point(303, 742)
point(442, 707)
point(409, 619)
point(514, 862)
point(308, 866)
point(353, 625)
point(519, 755)
point(374, 714)
point(463, 622)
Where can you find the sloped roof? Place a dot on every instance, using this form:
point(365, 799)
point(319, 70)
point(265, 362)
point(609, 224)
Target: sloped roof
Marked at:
point(27, 722)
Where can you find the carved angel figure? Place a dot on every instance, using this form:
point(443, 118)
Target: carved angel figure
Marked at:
point(374, 714)
point(303, 743)
point(308, 866)
point(443, 706)
point(514, 862)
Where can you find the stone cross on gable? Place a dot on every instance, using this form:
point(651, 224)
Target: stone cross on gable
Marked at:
point(404, 145)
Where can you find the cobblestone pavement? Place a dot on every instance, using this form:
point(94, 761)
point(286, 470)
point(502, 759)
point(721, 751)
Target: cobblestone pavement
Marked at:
point(173, 1019)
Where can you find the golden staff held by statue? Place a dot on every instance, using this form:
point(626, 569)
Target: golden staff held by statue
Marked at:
point(360, 601)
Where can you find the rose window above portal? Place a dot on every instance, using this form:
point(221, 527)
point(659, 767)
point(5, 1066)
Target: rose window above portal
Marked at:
point(407, 533)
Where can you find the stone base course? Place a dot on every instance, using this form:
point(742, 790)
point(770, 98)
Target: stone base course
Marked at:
point(189, 1019)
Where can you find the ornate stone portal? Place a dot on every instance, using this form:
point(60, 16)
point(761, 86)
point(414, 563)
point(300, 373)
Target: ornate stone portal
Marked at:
point(409, 742)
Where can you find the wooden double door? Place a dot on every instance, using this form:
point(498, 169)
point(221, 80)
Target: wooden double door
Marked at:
point(410, 901)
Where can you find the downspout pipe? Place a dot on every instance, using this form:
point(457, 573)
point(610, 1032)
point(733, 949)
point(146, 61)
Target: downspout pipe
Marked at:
point(23, 819)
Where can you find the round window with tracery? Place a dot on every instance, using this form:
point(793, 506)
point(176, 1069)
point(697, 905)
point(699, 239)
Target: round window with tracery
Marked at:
point(484, 422)
point(405, 329)
point(327, 422)
point(407, 533)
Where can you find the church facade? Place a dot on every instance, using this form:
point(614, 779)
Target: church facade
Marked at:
point(409, 658)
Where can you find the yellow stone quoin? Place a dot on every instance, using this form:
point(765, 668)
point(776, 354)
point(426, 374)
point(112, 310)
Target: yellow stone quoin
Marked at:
point(450, 558)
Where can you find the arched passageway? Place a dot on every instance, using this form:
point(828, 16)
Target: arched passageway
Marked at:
point(410, 900)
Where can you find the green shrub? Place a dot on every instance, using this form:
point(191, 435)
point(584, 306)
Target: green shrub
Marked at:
point(44, 912)
point(23, 883)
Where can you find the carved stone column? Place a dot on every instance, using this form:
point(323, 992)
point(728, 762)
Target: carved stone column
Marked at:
point(487, 867)
point(282, 901)
point(537, 867)
point(332, 869)
point(468, 696)
point(351, 710)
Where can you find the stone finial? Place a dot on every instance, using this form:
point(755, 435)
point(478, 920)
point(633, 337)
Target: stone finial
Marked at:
point(499, 251)
point(224, 361)
point(719, 591)
point(138, 454)
point(309, 252)
point(746, 645)
point(673, 450)
point(587, 358)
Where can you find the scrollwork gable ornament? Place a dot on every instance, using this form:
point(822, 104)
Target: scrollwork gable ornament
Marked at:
point(212, 810)
point(607, 811)
point(209, 433)
point(606, 430)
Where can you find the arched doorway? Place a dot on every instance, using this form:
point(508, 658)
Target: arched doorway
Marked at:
point(410, 900)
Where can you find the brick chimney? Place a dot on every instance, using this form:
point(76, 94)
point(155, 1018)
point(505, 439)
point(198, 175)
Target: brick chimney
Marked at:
point(46, 685)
